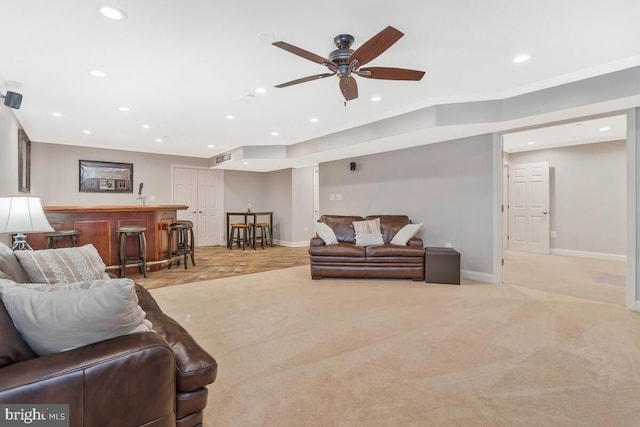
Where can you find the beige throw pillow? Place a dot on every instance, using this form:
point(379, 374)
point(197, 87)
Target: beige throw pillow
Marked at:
point(405, 234)
point(368, 232)
point(64, 265)
point(61, 319)
point(325, 233)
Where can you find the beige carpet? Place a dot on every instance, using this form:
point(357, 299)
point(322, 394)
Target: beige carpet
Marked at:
point(297, 352)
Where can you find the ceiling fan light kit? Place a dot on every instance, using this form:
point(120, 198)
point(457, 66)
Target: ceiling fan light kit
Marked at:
point(346, 62)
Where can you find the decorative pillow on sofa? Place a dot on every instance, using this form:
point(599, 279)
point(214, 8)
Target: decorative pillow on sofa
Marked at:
point(64, 265)
point(368, 232)
point(326, 233)
point(405, 234)
point(58, 320)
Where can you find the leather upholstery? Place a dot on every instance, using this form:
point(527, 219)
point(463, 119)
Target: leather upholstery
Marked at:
point(346, 259)
point(151, 379)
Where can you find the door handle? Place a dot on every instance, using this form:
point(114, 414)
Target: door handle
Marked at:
point(199, 211)
point(193, 212)
point(545, 213)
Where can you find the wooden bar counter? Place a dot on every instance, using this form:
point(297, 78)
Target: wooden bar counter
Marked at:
point(98, 225)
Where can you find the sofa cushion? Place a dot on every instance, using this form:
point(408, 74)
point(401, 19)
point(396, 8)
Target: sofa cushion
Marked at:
point(10, 265)
point(62, 319)
point(405, 234)
point(342, 226)
point(390, 225)
point(339, 250)
point(326, 233)
point(394, 251)
point(64, 265)
point(13, 349)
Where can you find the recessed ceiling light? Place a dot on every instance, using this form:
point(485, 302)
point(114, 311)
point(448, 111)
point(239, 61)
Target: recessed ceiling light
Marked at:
point(98, 73)
point(521, 58)
point(113, 13)
point(531, 142)
point(86, 131)
point(245, 163)
point(230, 116)
point(57, 114)
point(314, 120)
point(274, 134)
point(605, 128)
point(211, 146)
point(261, 90)
point(158, 139)
point(146, 126)
point(376, 98)
point(123, 108)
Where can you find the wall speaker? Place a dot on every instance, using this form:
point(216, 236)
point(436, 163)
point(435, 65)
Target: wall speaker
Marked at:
point(352, 166)
point(13, 100)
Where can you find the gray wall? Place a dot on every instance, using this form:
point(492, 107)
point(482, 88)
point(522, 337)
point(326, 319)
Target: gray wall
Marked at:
point(9, 148)
point(277, 190)
point(447, 186)
point(54, 174)
point(8, 156)
point(302, 193)
point(588, 195)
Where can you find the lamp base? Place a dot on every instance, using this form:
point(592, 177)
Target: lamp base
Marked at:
point(20, 243)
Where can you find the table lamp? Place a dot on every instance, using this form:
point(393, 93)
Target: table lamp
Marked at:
point(22, 214)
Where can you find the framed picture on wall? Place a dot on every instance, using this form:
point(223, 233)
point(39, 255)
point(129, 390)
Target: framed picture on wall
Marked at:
point(24, 162)
point(105, 177)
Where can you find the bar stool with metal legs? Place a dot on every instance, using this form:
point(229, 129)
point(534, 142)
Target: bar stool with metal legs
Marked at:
point(63, 234)
point(185, 242)
point(141, 259)
point(235, 229)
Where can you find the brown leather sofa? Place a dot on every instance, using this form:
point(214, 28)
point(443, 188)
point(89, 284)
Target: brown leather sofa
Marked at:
point(151, 379)
point(346, 259)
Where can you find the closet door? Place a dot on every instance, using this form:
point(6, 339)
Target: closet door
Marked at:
point(201, 191)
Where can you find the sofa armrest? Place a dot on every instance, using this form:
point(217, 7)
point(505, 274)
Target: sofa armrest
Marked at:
point(128, 380)
point(416, 241)
point(316, 241)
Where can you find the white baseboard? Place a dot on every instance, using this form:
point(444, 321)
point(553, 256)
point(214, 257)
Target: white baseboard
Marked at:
point(477, 276)
point(592, 255)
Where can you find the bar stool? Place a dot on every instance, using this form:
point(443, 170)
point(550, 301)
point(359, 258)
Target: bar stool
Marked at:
point(141, 259)
point(70, 234)
point(235, 229)
point(185, 242)
point(265, 235)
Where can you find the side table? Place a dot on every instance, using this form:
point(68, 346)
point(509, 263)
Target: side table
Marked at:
point(442, 265)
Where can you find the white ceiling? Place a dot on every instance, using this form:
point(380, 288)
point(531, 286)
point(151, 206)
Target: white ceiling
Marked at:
point(181, 67)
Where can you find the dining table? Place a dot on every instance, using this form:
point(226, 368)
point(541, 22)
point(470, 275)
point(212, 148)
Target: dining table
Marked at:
point(251, 218)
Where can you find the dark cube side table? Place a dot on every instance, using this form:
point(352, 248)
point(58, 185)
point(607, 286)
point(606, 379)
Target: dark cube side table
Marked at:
point(442, 265)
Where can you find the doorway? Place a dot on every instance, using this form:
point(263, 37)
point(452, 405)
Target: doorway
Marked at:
point(202, 191)
point(587, 213)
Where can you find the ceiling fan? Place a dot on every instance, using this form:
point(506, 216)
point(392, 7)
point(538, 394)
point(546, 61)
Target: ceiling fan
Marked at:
point(346, 62)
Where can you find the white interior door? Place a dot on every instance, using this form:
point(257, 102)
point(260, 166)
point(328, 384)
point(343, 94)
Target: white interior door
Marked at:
point(185, 192)
point(529, 207)
point(209, 209)
point(201, 190)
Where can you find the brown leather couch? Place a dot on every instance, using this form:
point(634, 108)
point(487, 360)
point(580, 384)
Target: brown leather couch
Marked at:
point(346, 259)
point(150, 379)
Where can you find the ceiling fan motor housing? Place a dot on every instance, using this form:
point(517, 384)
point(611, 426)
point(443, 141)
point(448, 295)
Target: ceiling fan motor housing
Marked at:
point(340, 56)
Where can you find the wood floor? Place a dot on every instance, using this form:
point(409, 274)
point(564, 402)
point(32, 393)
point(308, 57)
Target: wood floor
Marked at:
point(216, 262)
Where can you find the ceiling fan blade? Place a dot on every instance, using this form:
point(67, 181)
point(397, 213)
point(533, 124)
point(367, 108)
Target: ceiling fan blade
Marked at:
point(375, 46)
point(387, 73)
point(349, 88)
point(304, 54)
point(306, 79)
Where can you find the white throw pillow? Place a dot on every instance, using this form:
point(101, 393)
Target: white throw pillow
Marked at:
point(326, 233)
point(56, 320)
point(64, 265)
point(370, 226)
point(368, 232)
point(405, 234)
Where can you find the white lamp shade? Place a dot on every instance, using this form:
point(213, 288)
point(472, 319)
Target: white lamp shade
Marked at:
point(22, 214)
